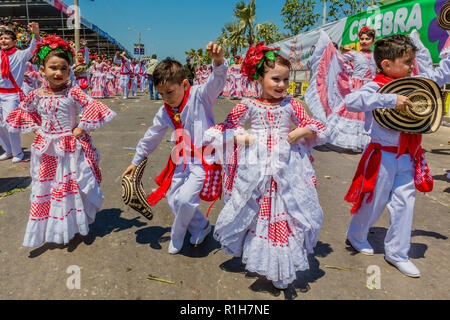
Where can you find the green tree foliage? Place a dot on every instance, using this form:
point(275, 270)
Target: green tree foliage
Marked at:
point(338, 9)
point(299, 16)
point(268, 32)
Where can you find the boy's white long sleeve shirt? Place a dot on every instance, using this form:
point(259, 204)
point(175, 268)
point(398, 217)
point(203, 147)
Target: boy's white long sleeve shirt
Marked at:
point(196, 117)
point(367, 99)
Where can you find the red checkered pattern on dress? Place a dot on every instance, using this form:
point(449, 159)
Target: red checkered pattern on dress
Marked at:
point(48, 167)
point(79, 96)
point(91, 158)
point(301, 118)
point(65, 188)
point(39, 142)
point(233, 119)
point(95, 112)
point(39, 210)
point(24, 120)
point(264, 210)
point(279, 232)
point(67, 144)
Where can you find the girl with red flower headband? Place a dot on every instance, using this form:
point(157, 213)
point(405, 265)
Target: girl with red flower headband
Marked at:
point(65, 189)
point(13, 67)
point(272, 216)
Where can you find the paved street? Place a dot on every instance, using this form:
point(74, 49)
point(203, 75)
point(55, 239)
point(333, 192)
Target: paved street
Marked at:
point(123, 248)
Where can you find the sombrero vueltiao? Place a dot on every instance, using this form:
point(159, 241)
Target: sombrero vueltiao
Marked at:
point(133, 193)
point(443, 19)
point(426, 114)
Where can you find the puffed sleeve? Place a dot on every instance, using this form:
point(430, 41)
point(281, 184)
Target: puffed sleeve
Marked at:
point(233, 125)
point(152, 138)
point(302, 120)
point(25, 117)
point(94, 114)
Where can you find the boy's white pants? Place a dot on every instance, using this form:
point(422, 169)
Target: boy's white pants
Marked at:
point(123, 83)
point(395, 190)
point(184, 200)
point(10, 141)
point(134, 86)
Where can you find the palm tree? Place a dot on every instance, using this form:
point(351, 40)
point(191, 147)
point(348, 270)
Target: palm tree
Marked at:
point(196, 56)
point(223, 41)
point(246, 14)
point(236, 39)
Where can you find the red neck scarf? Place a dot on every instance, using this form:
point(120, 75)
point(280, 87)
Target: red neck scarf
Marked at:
point(5, 61)
point(366, 175)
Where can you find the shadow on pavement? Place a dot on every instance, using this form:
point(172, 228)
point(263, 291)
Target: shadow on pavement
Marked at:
point(8, 184)
point(304, 278)
point(154, 236)
point(331, 148)
point(106, 222)
point(417, 250)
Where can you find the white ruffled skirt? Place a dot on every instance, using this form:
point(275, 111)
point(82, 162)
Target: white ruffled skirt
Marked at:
point(65, 193)
point(273, 217)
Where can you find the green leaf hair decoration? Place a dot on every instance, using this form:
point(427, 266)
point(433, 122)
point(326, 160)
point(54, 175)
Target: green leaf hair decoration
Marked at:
point(46, 50)
point(269, 55)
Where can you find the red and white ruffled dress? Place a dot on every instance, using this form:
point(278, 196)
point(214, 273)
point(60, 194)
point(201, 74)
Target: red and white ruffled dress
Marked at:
point(272, 216)
point(65, 188)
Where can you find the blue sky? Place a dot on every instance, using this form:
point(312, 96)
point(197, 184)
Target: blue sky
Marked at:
point(176, 25)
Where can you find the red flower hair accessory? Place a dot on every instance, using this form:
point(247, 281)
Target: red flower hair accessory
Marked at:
point(48, 44)
point(254, 59)
point(365, 28)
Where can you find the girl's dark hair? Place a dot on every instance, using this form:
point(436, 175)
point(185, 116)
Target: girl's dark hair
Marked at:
point(392, 47)
point(59, 54)
point(269, 64)
point(169, 70)
point(9, 33)
point(369, 33)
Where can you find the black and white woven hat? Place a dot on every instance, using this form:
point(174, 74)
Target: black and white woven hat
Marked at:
point(133, 193)
point(443, 18)
point(426, 114)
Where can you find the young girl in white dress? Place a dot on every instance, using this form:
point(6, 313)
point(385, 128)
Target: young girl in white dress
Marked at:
point(272, 216)
point(65, 188)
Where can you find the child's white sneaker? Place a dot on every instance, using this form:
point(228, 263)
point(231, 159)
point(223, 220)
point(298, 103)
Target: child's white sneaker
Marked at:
point(406, 267)
point(6, 156)
point(18, 158)
point(280, 285)
point(364, 248)
point(175, 247)
point(200, 237)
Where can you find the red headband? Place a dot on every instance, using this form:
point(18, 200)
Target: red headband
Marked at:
point(365, 28)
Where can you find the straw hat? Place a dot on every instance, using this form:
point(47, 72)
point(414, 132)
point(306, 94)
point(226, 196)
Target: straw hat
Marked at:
point(443, 19)
point(426, 114)
point(133, 193)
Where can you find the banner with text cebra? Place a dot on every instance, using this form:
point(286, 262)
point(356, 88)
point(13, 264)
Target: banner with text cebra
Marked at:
point(400, 17)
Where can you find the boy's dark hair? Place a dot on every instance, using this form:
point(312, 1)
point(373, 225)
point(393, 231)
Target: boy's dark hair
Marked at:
point(9, 33)
point(154, 56)
point(269, 64)
point(392, 47)
point(169, 70)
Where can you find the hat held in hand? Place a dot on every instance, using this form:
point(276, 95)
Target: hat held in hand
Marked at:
point(133, 193)
point(425, 116)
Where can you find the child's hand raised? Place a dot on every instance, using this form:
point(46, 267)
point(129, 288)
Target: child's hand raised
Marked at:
point(402, 103)
point(215, 52)
point(34, 27)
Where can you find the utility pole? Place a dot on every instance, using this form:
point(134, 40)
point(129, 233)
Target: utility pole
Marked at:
point(77, 24)
point(324, 15)
point(139, 45)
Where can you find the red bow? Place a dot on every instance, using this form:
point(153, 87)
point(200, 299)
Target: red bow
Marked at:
point(365, 28)
point(253, 58)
